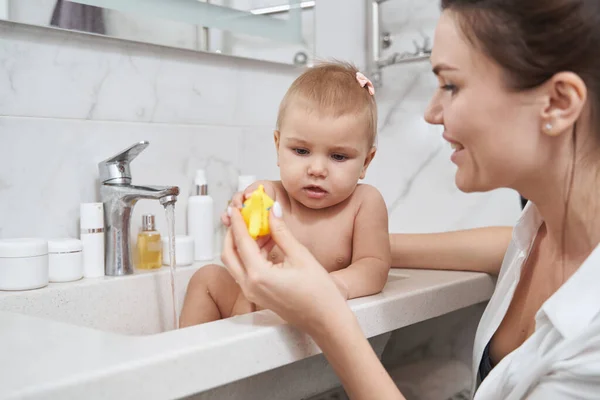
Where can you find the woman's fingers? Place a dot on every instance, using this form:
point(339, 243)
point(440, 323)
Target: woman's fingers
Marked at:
point(266, 244)
point(237, 200)
point(231, 259)
point(247, 249)
point(225, 219)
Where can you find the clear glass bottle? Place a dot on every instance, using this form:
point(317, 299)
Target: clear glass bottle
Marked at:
point(149, 245)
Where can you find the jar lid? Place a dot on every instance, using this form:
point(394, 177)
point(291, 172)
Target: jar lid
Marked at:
point(66, 245)
point(26, 247)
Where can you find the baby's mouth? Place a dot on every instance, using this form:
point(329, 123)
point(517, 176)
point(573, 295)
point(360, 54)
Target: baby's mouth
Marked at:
point(315, 192)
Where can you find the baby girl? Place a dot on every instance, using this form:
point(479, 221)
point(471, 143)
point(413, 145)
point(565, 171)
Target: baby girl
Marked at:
point(325, 137)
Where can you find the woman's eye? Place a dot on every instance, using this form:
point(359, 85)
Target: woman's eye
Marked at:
point(339, 157)
point(450, 88)
point(301, 152)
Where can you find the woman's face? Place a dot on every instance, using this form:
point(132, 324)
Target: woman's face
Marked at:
point(495, 131)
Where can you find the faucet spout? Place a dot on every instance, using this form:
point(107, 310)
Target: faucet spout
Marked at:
point(119, 201)
point(130, 194)
point(119, 197)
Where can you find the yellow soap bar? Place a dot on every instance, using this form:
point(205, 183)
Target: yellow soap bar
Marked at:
point(255, 212)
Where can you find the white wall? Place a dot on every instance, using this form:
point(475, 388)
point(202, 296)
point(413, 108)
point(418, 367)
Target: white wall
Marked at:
point(3, 9)
point(68, 101)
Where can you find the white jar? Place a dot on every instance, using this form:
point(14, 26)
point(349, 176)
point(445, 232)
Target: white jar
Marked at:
point(92, 238)
point(23, 264)
point(184, 250)
point(65, 260)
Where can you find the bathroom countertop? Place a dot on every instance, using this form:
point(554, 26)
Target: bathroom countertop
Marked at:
point(52, 360)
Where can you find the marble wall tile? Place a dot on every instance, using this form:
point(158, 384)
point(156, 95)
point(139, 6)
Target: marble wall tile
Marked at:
point(55, 74)
point(49, 167)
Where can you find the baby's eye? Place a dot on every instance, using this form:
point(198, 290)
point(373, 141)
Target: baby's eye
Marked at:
point(339, 157)
point(301, 152)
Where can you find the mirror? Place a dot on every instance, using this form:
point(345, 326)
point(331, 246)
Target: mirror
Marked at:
point(279, 31)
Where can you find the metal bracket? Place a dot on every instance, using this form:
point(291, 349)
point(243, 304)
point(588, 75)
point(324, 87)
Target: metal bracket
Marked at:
point(378, 40)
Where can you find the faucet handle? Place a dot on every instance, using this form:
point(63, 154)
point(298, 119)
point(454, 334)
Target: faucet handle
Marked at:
point(116, 168)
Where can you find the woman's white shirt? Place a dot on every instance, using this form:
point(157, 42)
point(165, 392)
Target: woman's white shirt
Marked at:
point(561, 359)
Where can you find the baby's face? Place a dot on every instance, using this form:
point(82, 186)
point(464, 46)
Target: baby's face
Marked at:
point(321, 158)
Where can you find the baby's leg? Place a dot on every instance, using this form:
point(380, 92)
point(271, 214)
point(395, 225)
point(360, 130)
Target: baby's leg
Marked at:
point(212, 294)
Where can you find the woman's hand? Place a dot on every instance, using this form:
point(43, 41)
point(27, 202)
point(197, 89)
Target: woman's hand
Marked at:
point(299, 289)
point(236, 202)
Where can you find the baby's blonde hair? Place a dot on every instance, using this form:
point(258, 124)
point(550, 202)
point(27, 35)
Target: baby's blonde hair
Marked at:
point(333, 90)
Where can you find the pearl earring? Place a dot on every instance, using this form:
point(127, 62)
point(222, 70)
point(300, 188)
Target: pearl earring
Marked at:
point(548, 126)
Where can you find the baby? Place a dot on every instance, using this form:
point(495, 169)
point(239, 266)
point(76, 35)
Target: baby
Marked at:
point(325, 136)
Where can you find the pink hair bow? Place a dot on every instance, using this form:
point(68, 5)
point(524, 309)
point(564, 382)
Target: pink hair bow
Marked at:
point(364, 81)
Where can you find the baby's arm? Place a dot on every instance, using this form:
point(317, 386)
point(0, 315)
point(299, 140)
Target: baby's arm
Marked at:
point(371, 258)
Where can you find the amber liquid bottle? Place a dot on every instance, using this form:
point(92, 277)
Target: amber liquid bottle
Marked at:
point(149, 245)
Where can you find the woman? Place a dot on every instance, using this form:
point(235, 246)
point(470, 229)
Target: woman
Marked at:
point(518, 98)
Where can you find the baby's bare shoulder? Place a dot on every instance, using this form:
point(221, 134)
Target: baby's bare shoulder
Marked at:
point(368, 194)
point(280, 193)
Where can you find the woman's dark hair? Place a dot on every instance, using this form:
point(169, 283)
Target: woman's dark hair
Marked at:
point(532, 40)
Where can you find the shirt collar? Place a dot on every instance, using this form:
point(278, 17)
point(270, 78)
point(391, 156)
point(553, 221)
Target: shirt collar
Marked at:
point(527, 226)
point(577, 302)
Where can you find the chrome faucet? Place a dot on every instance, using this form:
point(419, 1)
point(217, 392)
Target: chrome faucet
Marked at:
point(119, 197)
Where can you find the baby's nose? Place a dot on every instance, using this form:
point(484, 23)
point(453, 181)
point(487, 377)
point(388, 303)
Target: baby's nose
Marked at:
point(317, 168)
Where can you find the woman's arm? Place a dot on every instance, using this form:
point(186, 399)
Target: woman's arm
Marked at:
point(354, 360)
point(301, 291)
point(480, 249)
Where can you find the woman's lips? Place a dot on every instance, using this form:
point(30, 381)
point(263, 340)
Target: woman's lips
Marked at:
point(456, 146)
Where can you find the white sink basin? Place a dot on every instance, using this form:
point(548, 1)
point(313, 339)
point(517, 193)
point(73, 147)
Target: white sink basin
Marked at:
point(140, 304)
point(109, 344)
point(137, 305)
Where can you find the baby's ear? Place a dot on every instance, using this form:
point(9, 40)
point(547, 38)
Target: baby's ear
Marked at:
point(276, 137)
point(368, 160)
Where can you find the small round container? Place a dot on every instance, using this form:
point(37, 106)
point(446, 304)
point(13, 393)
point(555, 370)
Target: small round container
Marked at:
point(65, 260)
point(23, 264)
point(184, 250)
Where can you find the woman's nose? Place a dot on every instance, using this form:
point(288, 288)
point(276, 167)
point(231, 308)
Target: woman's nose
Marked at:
point(434, 112)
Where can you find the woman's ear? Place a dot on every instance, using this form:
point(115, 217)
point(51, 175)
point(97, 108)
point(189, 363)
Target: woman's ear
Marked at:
point(565, 97)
